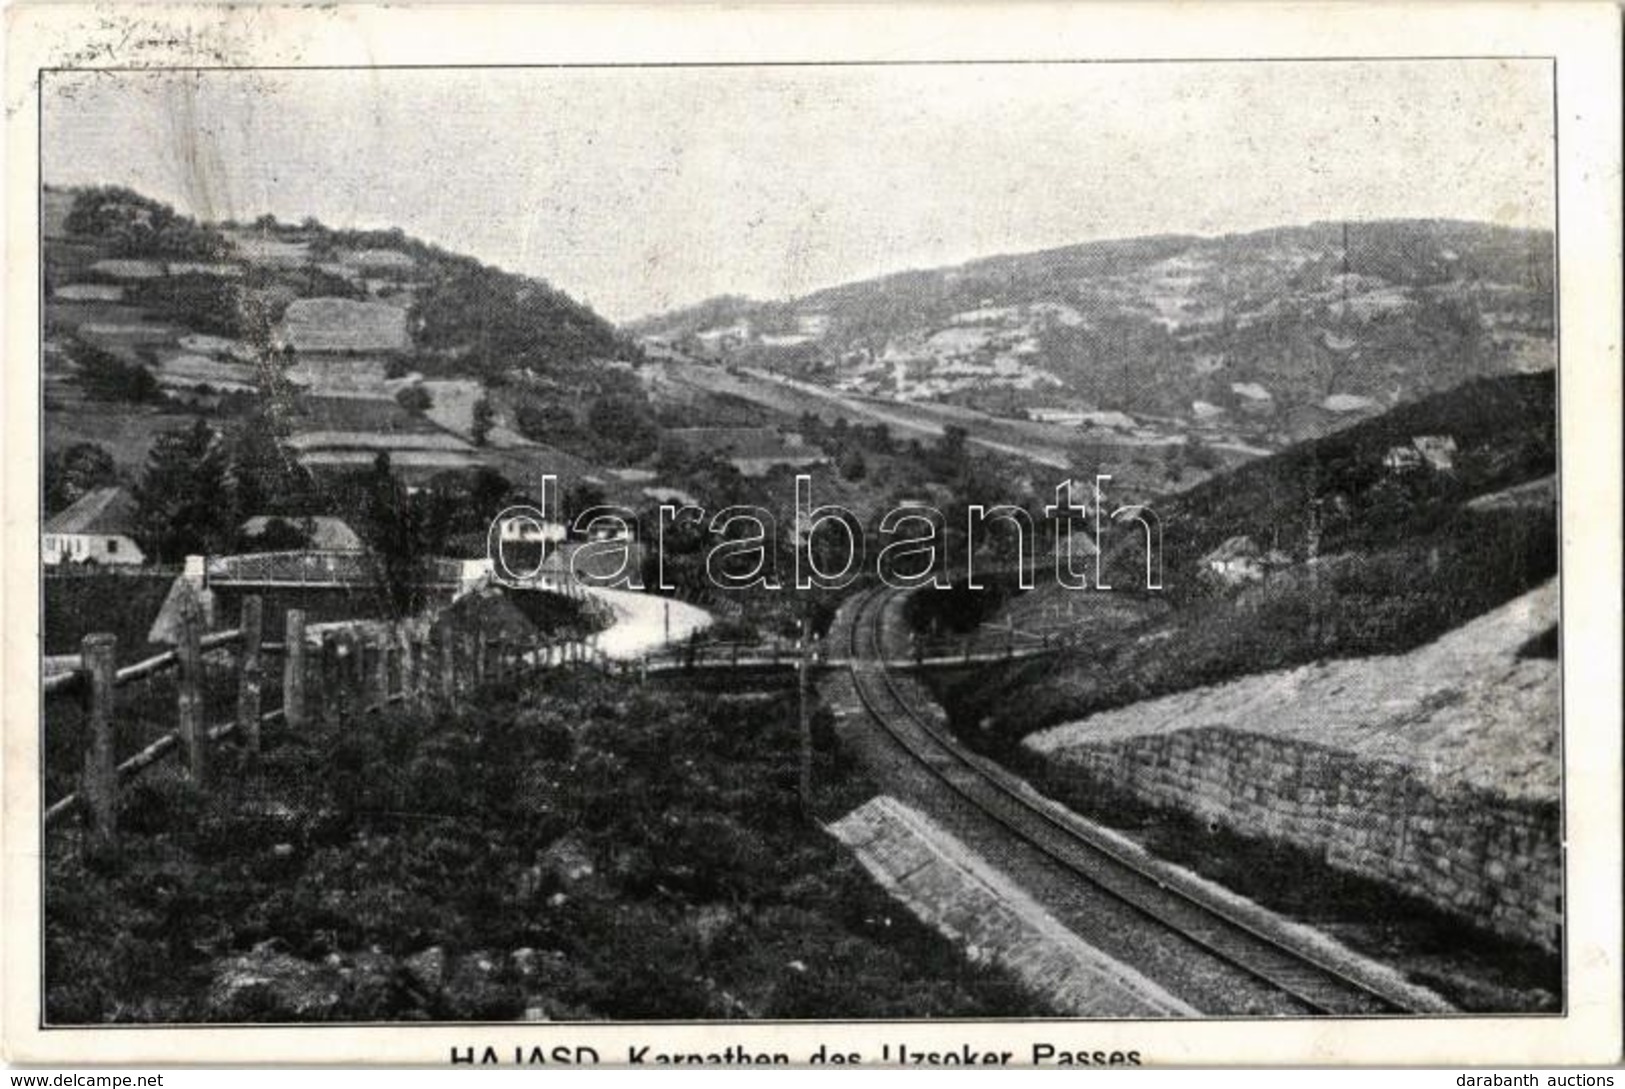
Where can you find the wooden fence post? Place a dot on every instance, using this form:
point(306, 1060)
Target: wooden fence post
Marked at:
point(448, 666)
point(482, 646)
point(250, 677)
point(330, 679)
point(99, 784)
point(189, 695)
point(409, 666)
point(293, 670)
point(381, 669)
point(347, 676)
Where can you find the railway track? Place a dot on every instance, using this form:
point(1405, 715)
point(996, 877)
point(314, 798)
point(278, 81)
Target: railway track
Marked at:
point(1304, 975)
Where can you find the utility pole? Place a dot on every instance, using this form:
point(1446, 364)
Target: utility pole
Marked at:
point(804, 715)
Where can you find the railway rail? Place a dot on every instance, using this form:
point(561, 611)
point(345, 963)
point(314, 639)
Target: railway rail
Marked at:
point(1278, 959)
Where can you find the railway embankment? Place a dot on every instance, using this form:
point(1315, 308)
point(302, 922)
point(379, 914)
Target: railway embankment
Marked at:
point(949, 888)
point(1434, 772)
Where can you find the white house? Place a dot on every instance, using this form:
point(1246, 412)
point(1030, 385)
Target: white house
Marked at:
point(528, 529)
point(1239, 560)
point(96, 529)
point(1438, 452)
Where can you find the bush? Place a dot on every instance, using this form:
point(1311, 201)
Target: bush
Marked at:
point(405, 832)
point(415, 399)
point(106, 377)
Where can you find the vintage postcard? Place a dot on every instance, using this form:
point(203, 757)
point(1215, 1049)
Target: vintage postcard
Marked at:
point(1010, 535)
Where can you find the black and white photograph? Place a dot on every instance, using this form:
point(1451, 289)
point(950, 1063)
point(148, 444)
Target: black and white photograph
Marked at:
point(914, 542)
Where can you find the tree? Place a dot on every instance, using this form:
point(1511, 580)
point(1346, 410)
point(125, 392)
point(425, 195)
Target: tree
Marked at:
point(949, 458)
point(581, 496)
point(264, 475)
point(549, 423)
point(623, 429)
point(415, 399)
point(130, 225)
point(394, 526)
point(183, 498)
point(106, 377)
point(484, 420)
point(71, 473)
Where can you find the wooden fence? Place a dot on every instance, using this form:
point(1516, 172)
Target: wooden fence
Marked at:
point(332, 673)
point(329, 675)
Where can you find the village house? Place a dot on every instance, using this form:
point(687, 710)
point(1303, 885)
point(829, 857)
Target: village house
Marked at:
point(1402, 459)
point(526, 529)
point(1064, 417)
point(99, 528)
point(324, 532)
point(1240, 560)
point(1437, 452)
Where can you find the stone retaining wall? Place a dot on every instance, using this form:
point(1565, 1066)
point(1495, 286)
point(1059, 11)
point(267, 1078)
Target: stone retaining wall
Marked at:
point(1494, 861)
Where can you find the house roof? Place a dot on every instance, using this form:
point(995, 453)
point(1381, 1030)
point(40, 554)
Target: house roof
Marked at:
point(327, 534)
point(1235, 548)
point(596, 566)
point(103, 510)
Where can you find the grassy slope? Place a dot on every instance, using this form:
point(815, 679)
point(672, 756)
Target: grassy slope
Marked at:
point(1404, 562)
point(710, 895)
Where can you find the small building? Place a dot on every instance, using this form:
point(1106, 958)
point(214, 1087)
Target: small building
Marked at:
point(1437, 452)
point(674, 497)
point(1402, 459)
point(525, 529)
point(98, 528)
point(324, 533)
point(1236, 561)
point(1063, 417)
point(567, 567)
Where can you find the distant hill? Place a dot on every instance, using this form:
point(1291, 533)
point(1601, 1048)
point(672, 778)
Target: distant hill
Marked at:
point(152, 317)
point(1263, 337)
point(111, 245)
point(1364, 550)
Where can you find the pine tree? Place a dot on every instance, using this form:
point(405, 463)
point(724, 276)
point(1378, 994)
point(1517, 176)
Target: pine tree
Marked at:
point(484, 420)
point(184, 497)
point(395, 531)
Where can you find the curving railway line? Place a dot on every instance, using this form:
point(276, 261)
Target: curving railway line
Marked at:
point(1269, 955)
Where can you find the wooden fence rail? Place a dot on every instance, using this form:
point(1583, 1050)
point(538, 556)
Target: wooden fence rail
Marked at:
point(347, 671)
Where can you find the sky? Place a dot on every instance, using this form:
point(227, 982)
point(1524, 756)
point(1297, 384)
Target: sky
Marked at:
point(638, 190)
